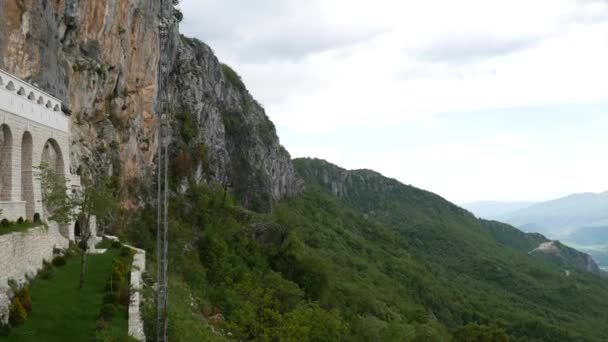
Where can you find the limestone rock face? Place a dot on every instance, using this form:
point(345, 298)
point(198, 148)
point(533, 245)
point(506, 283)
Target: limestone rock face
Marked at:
point(100, 57)
point(238, 140)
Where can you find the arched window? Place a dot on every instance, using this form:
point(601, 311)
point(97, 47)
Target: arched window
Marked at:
point(31, 96)
point(6, 163)
point(40, 100)
point(10, 86)
point(21, 91)
point(1, 81)
point(49, 104)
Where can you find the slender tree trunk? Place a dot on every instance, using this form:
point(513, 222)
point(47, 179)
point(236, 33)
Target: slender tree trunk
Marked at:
point(85, 244)
point(83, 265)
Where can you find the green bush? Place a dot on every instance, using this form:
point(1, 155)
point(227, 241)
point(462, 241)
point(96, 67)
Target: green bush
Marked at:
point(107, 311)
point(47, 271)
point(111, 298)
point(59, 261)
point(20, 220)
point(101, 324)
point(25, 298)
point(116, 245)
point(126, 252)
point(5, 223)
point(5, 329)
point(124, 295)
point(233, 78)
point(17, 313)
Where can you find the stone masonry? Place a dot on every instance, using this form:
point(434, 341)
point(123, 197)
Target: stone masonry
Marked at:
point(33, 130)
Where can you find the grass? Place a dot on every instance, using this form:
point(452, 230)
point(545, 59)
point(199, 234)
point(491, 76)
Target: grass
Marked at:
point(19, 227)
point(63, 312)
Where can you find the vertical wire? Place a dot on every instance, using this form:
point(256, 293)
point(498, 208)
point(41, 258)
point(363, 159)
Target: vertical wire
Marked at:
point(159, 160)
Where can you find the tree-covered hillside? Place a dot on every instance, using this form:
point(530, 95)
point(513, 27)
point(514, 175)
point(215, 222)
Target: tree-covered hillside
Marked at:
point(360, 257)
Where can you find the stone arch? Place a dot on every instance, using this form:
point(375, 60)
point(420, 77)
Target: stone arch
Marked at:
point(40, 100)
point(31, 96)
point(56, 108)
point(21, 91)
point(10, 86)
point(53, 156)
point(49, 104)
point(27, 175)
point(1, 81)
point(6, 163)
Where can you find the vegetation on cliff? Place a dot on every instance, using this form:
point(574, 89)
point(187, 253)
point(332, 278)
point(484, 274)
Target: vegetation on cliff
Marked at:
point(361, 257)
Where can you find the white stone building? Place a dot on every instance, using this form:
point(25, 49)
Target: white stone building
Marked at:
point(33, 130)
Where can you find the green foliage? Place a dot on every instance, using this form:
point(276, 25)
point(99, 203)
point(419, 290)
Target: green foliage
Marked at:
point(25, 298)
point(59, 261)
point(98, 198)
point(188, 129)
point(360, 257)
point(20, 220)
point(5, 223)
point(474, 332)
point(250, 186)
point(17, 313)
point(107, 311)
point(47, 271)
point(233, 78)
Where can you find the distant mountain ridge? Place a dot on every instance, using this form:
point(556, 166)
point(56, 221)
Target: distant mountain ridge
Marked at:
point(492, 209)
point(557, 218)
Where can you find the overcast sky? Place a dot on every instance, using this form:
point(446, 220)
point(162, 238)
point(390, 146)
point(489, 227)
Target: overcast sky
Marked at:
point(471, 99)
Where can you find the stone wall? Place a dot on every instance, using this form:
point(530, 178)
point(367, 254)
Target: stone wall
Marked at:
point(22, 255)
point(136, 324)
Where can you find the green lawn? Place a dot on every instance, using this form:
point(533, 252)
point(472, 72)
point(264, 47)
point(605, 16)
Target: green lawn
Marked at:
point(63, 312)
point(19, 227)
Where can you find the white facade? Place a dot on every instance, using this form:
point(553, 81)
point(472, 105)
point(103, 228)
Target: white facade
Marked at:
point(32, 129)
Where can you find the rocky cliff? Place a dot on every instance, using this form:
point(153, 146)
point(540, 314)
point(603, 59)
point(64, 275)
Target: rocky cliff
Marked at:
point(101, 58)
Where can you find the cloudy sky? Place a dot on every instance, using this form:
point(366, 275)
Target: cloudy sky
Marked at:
point(471, 99)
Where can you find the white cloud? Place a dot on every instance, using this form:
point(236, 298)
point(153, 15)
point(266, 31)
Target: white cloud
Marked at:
point(334, 66)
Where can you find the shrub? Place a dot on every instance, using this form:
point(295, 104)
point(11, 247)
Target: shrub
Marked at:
point(101, 324)
point(107, 311)
point(233, 78)
point(124, 295)
point(116, 245)
point(25, 298)
point(47, 271)
point(125, 252)
point(111, 298)
point(17, 313)
point(116, 277)
point(5, 329)
point(20, 220)
point(36, 217)
point(5, 223)
point(59, 261)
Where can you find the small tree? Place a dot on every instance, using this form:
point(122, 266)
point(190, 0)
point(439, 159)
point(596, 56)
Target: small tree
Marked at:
point(98, 198)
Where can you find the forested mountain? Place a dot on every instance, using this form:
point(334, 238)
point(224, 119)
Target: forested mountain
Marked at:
point(360, 257)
